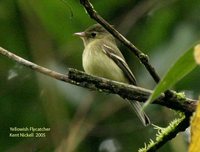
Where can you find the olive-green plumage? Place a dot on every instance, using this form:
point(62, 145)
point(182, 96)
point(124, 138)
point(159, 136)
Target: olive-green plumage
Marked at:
point(101, 57)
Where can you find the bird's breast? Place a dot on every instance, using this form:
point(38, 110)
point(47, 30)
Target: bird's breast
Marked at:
point(96, 62)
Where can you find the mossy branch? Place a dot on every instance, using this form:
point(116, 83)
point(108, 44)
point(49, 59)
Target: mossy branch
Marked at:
point(166, 134)
point(126, 91)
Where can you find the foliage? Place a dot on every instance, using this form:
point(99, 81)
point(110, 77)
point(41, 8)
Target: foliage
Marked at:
point(183, 66)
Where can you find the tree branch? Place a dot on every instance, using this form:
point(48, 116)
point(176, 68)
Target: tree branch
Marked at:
point(140, 55)
point(129, 91)
point(126, 91)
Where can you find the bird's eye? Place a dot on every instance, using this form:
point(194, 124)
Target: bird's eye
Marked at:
point(93, 34)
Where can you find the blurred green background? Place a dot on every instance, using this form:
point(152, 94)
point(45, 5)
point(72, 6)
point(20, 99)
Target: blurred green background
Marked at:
point(82, 120)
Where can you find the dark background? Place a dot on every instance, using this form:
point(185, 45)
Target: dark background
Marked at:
point(81, 120)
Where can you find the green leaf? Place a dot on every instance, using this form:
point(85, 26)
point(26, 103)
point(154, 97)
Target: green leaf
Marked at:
point(184, 65)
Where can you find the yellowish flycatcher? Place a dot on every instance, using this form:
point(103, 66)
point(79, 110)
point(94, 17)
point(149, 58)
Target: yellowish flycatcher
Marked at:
point(101, 57)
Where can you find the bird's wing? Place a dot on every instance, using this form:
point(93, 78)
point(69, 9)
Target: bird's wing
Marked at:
point(117, 57)
point(119, 60)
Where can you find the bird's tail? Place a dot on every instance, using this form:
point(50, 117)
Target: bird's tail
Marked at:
point(140, 113)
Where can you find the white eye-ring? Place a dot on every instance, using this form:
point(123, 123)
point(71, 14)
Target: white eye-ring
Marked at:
point(93, 34)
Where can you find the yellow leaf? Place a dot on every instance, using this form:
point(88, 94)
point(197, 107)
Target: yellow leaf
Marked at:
point(197, 53)
point(195, 131)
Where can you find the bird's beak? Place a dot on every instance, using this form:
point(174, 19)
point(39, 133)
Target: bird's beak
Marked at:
point(80, 34)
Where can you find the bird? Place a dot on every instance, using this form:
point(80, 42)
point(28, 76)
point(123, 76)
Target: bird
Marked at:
point(101, 57)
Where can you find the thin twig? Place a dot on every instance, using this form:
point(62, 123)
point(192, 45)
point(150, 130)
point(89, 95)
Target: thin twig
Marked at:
point(141, 56)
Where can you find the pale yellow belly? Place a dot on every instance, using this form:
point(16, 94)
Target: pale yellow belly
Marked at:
point(101, 65)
